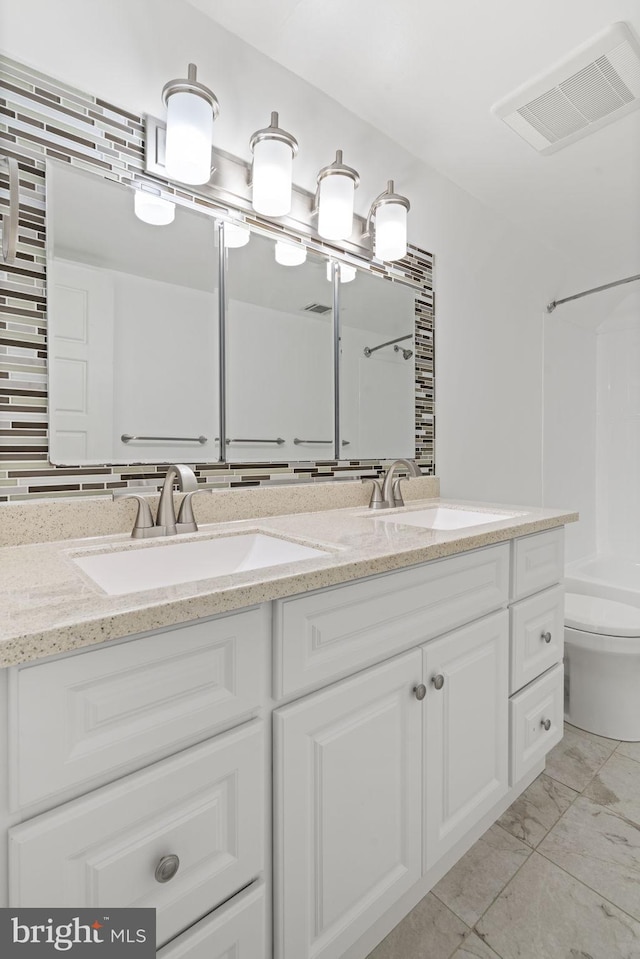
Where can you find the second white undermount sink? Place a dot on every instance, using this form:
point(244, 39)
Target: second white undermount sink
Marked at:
point(445, 518)
point(151, 567)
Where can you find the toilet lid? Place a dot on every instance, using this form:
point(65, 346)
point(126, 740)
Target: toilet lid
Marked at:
point(596, 615)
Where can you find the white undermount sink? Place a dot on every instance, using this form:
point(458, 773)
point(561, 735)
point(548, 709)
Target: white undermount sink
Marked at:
point(444, 518)
point(151, 567)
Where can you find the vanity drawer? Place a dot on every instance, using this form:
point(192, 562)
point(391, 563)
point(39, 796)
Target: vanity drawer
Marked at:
point(530, 710)
point(111, 710)
point(537, 635)
point(322, 636)
point(538, 562)
point(205, 806)
point(237, 930)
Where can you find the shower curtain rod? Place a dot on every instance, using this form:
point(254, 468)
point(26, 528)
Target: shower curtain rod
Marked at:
point(596, 289)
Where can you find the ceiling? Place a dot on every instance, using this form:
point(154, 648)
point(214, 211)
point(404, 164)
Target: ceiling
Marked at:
point(426, 73)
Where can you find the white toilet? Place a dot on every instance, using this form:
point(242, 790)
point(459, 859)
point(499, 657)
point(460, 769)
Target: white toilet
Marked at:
point(602, 666)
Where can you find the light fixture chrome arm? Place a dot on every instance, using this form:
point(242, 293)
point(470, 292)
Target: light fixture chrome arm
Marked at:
point(272, 132)
point(10, 219)
point(191, 85)
point(337, 167)
point(393, 245)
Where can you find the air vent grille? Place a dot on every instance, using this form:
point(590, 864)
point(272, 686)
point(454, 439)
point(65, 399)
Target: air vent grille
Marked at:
point(595, 86)
point(316, 308)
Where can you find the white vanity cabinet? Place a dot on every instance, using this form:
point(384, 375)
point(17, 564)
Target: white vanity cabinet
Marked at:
point(382, 777)
point(409, 709)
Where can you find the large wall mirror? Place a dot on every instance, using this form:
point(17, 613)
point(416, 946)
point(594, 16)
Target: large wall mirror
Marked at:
point(134, 364)
point(279, 323)
point(133, 313)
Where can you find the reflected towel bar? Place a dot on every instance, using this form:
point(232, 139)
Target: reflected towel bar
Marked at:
point(127, 438)
point(279, 441)
point(368, 350)
point(299, 442)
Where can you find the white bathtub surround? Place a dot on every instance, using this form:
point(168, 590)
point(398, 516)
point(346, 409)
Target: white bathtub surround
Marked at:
point(618, 431)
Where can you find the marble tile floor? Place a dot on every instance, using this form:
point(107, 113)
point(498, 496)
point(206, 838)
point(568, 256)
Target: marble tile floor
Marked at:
point(557, 877)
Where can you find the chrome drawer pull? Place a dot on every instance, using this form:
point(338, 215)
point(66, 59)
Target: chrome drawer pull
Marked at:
point(420, 691)
point(438, 681)
point(167, 868)
point(546, 724)
point(546, 636)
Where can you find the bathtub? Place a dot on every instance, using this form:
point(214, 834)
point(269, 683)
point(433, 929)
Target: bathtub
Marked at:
point(602, 647)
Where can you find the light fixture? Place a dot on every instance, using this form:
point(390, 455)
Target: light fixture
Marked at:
point(236, 235)
point(390, 230)
point(191, 110)
point(272, 170)
point(346, 273)
point(150, 207)
point(289, 254)
point(337, 184)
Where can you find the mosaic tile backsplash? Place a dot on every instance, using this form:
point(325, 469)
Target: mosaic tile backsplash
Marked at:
point(39, 118)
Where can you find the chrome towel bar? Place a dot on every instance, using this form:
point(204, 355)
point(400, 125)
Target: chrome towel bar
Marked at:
point(128, 438)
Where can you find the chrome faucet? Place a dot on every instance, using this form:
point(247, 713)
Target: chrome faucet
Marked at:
point(166, 523)
point(389, 494)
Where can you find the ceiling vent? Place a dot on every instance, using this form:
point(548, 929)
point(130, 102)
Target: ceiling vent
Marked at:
point(598, 83)
point(316, 308)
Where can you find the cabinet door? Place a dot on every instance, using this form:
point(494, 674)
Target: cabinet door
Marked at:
point(466, 738)
point(348, 799)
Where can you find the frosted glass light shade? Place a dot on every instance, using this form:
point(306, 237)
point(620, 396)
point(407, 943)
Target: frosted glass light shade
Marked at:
point(347, 273)
point(153, 209)
point(272, 177)
point(335, 206)
point(236, 235)
point(289, 255)
point(189, 138)
point(390, 241)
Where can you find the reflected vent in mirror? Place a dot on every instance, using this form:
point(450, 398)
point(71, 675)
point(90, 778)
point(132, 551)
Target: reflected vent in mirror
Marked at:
point(316, 308)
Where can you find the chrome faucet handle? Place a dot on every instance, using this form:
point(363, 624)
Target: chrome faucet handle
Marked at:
point(186, 521)
point(397, 493)
point(376, 501)
point(144, 525)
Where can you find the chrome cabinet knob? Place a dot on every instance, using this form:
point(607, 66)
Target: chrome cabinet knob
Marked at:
point(438, 681)
point(546, 636)
point(546, 724)
point(420, 691)
point(167, 868)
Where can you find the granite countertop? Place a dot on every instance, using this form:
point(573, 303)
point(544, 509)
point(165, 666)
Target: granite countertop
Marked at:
point(49, 605)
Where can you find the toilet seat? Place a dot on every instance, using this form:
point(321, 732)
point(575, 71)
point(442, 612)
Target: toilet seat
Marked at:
point(604, 624)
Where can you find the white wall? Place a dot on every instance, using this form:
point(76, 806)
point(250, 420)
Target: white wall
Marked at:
point(492, 282)
point(618, 431)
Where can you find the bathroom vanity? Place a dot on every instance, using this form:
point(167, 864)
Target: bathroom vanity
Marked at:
point(301, 768)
